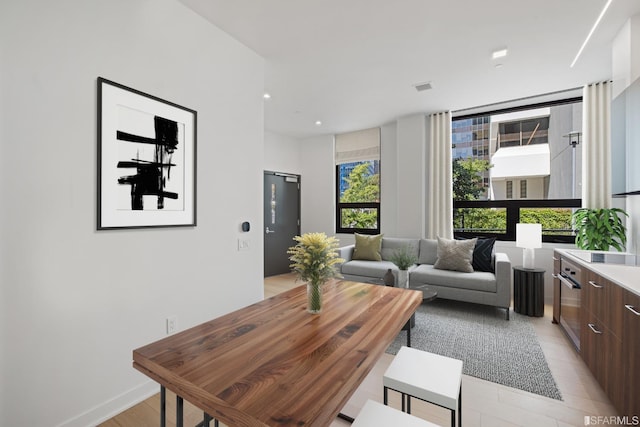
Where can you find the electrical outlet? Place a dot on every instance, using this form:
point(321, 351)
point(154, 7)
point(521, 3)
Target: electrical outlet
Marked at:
point(172, 324)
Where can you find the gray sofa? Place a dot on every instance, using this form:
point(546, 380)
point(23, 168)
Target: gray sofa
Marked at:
point(479, 287)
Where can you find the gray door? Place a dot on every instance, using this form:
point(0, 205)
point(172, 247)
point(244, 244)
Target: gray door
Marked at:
point(281, 220)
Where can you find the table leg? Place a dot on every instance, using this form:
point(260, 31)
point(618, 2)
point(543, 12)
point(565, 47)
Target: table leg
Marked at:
point(460, 407)
point(206, 422)
point(163, 406)
point(408, 337)
point(179, 411)
point(347, 418)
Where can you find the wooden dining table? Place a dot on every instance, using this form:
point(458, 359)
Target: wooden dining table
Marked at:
point(273, 363)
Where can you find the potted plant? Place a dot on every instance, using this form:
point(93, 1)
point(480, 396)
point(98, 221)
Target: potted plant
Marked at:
point(313, 259)
point(403, 258)
point(600, 229)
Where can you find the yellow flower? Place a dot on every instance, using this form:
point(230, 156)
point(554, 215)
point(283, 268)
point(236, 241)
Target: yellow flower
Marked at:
point(314, 257)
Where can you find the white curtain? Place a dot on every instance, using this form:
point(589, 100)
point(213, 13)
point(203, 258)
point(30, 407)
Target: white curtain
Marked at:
point(596, 149)
point(439, 184)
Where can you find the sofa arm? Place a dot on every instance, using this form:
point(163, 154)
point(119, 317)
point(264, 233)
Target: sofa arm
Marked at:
point(503, 278)
point(346, 252)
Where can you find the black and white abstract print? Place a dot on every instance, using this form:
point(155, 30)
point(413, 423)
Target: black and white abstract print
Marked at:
point(150, 147)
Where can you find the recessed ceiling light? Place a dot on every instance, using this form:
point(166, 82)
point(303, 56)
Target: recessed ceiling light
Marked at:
point(593, 29)
point(266, 96)
point(318, 123)
point(500, 53)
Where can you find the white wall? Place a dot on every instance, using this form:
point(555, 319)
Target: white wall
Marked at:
point(543, 259)
point(626, 69)
point(318, 185)
point(389, 176)
point(401, 182)
point(281, 153)
point(535, 188)
point(411, 142)
point(75, 301)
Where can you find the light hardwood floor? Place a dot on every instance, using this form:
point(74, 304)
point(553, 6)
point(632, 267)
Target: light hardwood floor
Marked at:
point(484, 403)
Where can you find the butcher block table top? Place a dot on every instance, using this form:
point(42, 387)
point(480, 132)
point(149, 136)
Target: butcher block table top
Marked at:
point(273, 363)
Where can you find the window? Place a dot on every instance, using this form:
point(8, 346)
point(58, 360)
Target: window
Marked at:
point(358, 182)
point(524, 131)
point(526, 146)
point(523, 189)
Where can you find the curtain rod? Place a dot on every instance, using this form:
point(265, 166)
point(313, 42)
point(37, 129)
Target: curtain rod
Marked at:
point(526, 98)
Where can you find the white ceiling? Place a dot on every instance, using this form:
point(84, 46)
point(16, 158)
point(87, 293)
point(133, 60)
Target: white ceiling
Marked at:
point(352, 63)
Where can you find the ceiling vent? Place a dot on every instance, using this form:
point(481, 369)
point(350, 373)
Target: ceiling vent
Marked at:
point(420, 87)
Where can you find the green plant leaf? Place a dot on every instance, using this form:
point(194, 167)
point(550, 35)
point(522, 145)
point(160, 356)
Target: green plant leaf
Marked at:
point(600, 229)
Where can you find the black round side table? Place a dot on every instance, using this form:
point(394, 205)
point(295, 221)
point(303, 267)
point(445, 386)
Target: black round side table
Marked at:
point(528, 291)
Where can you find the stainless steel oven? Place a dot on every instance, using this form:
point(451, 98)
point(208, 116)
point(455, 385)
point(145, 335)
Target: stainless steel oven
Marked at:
point(571, 283)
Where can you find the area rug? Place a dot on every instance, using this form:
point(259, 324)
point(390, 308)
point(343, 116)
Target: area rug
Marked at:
point(491, 348)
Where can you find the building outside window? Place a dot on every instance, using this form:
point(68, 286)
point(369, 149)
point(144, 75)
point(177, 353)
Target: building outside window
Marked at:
point(526, 146)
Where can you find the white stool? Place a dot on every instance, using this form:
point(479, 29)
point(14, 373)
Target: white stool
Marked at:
point(374, 414)
point(430, 377)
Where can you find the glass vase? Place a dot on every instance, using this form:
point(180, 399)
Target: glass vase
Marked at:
point(314, 297)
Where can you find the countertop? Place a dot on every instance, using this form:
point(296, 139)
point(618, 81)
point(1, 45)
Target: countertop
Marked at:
point(625, 276)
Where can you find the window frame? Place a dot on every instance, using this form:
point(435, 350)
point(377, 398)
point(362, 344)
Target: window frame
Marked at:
point(523, 189)
point(514, 205)
point(513, 216)
point(361, 205)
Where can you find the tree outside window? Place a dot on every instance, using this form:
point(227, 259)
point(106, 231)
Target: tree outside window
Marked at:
point(357, 156)
point(359, 199)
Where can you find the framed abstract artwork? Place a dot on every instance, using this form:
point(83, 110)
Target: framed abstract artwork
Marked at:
point(146, 160)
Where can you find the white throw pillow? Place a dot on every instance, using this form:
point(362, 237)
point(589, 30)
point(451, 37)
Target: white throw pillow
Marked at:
point(455, 255)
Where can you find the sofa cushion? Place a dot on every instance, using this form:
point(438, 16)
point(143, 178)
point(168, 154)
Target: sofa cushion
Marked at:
point(368, 247)
point(391, 244)
point(483, 254)
point(367, 268)
point(455, 255)
point(428, 251)
point(478, 281)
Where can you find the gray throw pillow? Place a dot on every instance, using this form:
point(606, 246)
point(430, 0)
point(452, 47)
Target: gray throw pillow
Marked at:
point(428, 251)
point(455, 255)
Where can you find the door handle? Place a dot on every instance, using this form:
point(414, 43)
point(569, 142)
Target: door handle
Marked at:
point(632, 309)
point(269, 231)
point(595, 285)
point(593, 328)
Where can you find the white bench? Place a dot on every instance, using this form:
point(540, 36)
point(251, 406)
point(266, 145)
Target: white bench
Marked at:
point(374, 414)
point(430, 377)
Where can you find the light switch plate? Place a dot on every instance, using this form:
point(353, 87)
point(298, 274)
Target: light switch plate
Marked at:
point(244, 244)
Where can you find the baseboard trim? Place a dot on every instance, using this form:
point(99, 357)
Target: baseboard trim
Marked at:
point(101, 413)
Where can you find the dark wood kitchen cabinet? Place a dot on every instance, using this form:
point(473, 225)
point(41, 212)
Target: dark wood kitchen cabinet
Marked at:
point(556, 288)
point(631, 353)
point(609, 331)
point(600, 342)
